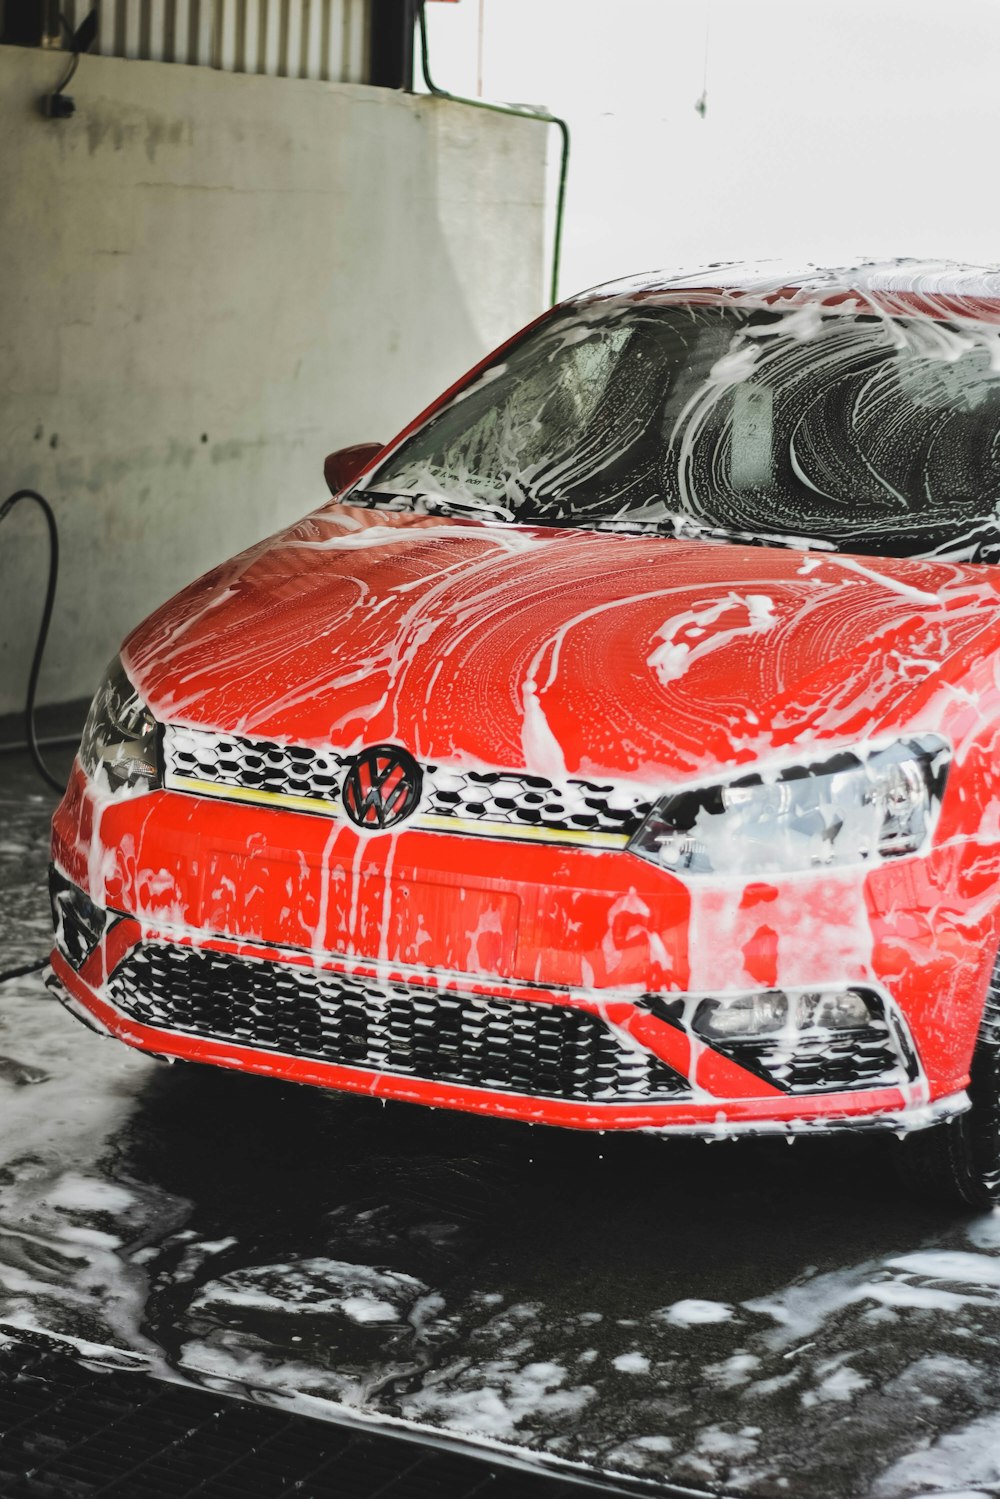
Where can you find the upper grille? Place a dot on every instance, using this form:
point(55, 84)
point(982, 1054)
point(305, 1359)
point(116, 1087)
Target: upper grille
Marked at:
point(226, 760)
point(544, 1050)
point(506, 802)
point(527, 801)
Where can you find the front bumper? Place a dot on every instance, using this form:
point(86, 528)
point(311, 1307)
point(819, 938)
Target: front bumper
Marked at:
point(405, 966)
point(543, 1055)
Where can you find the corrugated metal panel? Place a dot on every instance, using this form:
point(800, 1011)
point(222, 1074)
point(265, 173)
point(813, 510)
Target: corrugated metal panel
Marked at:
point(319, 39)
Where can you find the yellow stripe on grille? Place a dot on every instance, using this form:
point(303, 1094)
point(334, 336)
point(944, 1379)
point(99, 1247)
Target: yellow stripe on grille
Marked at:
point(483, 828)
point(429, 822)
point(261, 798)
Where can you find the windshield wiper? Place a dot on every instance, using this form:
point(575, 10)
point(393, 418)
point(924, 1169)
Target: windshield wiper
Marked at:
point(673, 526)
point(418, 503)
point(686, 528)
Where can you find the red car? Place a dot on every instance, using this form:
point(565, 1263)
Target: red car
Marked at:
point(618, 749)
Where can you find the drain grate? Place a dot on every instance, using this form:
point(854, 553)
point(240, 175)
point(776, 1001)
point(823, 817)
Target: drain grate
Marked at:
point(67, 1432)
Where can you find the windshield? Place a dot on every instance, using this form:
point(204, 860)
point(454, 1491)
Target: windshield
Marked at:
point(836, 429)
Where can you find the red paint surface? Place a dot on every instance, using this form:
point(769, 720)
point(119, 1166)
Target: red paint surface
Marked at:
point(358, 627)
point(314, 639)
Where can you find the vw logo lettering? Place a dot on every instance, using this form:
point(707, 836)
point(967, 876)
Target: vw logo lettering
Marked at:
point(382, 787)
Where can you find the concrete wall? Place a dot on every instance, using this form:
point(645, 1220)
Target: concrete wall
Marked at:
point(207, 282)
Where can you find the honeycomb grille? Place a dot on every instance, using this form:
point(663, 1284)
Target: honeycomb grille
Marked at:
point(543, 1050)
point(532, 802)
point(254, 765)
point(827, 1061)
point(508, 801)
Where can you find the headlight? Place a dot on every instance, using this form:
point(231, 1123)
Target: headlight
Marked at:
point(118, 748)
point(850, 809)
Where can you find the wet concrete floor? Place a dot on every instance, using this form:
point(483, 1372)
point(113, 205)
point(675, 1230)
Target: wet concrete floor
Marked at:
point(741, 1318)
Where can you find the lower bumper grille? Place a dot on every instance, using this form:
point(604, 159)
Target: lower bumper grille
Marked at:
point(544, 1050)
point(828, 1063)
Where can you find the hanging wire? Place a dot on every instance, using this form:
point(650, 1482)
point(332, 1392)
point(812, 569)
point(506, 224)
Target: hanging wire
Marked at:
point(701, 107)
point(509, 109)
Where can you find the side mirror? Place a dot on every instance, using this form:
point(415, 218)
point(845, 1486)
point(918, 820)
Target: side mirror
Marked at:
point(344, 466)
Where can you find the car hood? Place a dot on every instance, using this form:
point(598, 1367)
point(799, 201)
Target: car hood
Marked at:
point(559, 651)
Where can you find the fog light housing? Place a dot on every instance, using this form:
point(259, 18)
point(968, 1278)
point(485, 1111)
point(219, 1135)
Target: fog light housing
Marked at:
point(747, 1017)
point(742, 1018)
point(79, 925)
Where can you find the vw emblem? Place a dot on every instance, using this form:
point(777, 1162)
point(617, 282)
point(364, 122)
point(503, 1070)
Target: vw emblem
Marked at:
point(382, 787)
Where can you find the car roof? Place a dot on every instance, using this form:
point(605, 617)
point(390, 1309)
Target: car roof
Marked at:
point(940, 289)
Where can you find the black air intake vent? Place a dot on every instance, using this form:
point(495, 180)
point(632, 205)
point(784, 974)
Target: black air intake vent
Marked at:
point(544, 1050)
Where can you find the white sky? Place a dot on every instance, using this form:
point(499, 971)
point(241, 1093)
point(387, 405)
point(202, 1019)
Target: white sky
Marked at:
point(834, 130)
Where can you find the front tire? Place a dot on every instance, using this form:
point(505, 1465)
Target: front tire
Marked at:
point(958, 1162)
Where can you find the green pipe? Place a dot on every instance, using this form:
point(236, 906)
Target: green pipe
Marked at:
point(525, 113)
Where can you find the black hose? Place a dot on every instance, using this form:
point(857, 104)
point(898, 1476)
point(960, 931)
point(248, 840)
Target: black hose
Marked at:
point(43, 630)
point(53, 741)
point(526, 114)
point(25, 968)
